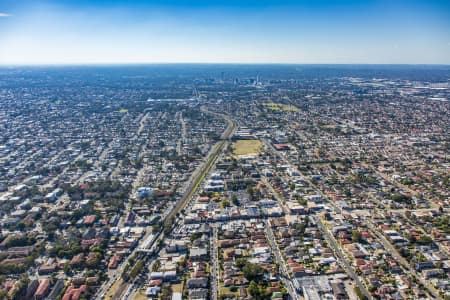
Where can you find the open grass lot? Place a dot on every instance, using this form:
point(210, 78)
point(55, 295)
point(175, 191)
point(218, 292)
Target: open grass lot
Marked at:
point(140, 295)
point(177, 288)
point(226, 291)
point(114, 289)
point(247, 147)
point(280, 106)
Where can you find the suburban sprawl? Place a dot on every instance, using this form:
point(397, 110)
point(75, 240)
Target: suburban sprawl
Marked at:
point(225, 182)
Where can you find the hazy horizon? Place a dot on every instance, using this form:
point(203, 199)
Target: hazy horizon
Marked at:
point(143, 64)
point(70, 32)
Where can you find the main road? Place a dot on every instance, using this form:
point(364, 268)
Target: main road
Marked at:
point(203, 170)
point(400, 259)
point(331, 240)
point(327, 235)
point(215, 272)
point(284, 273)
point(195, 182)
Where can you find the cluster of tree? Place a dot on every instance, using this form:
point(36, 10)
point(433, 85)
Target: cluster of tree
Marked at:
point(236, 185)
point(302, 201)
point(224, 203)
point(254, 193)
point(82, 165)
point(46, 171)
point(20, 241)
point(254, 273)
point(19, 291)
point(195, 236)
point(359, 293)
point(102, 188)
point(156, 265)
point(182, 264)
point(332, 180)
point(406, 253)
point(24, 224)
point(133, 268)
point(401, 198)
point(365, 179)
point(95, 260)
point(114, 205)
point(407, 181)
point(138, 267)
point(424, 240)
point(14, 268)
point(301, 227)
point(356, 236)
point(443, 223)
point(125, 274)
point(258, 291)
point(234, 200)
point(85, 210)
point(168, 225)
point(66, 251)
point(157, 227)
point(250, 270)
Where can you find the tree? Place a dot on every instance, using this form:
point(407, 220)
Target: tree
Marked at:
point(302, 201)
point(156, 265)
point(359, 293)
point(258, 291)
point(234, 200)
point(156, 227)
point(224, 203)
point(21, 288)
point(424, 240)
point(240, 262)
point(253, 289)
point(195, 236)
point(253, 271)
point(401, 198)
point(137, 269)
point(292, 186)
point(166, 292)
point(356, 236)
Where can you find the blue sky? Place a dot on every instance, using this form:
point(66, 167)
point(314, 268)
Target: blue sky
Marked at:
point(229, 31)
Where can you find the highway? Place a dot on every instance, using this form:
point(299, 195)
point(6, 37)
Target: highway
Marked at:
point(199, 176)
point(189, 192)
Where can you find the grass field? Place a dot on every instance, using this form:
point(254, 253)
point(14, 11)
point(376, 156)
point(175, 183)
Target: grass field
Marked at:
point(177, 288)
point(114, 289)
point(140, 295)
point(123, 110)
point(247, 147)
point(280, 107)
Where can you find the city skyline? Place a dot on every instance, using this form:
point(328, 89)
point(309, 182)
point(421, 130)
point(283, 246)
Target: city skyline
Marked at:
point(305, 32)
